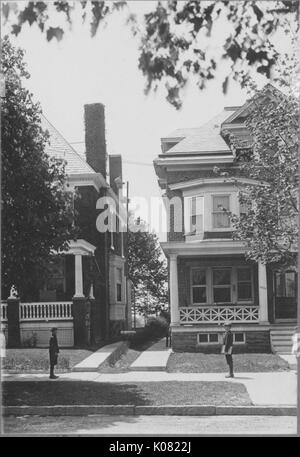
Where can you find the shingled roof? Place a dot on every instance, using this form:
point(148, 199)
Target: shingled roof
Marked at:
point(203, 139)
point(60, 148)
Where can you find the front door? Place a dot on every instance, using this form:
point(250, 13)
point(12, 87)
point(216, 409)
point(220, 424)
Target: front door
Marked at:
point(285, 296)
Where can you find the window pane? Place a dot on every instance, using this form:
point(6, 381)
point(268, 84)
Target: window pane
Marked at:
point(197, 223)
point(199, 294)
point(244, 291)
point(279, 279)
point(196, 205)
point(119, 292)
point(203, 338)
point(290, 284)
point(119, 274)
point(244, 274)
point(221, 220)
point(222, 277)
point(213, 338)
point(222, 294)
point(199, 277)
point(221, 203)
point(239, 337)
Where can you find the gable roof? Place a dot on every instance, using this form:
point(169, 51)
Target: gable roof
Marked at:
point(61, 149)
point(203, 139)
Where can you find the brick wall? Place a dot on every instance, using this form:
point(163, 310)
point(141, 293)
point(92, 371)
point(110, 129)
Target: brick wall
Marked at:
point(256, 342)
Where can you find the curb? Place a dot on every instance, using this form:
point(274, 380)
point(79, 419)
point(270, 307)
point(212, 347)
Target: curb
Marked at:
point(131, 410)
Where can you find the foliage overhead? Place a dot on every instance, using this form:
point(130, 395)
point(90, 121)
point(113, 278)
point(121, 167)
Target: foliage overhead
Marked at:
point(147, 270)
point(269, 222)
point(176, 36)
point(37, 208)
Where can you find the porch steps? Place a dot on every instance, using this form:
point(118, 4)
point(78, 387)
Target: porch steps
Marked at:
point(281, 339)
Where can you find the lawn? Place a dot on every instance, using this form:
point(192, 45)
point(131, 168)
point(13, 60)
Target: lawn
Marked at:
point(187, 362)
point(16, 393)
point(37, 359)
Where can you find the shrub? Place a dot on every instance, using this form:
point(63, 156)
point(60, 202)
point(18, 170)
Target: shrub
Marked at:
point(157, 326)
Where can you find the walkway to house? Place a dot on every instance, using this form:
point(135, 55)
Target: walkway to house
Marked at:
point(154, 358)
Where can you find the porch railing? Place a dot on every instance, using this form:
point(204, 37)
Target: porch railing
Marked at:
point(46, 311)
point(3, 308)
point(217, 314)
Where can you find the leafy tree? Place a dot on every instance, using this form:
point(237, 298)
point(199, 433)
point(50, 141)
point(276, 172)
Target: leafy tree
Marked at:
point(147, 270)
point(270, 155)
point(37, 208)
point(175, 36)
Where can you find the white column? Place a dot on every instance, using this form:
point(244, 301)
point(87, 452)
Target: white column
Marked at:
point(174, 290)
point(78, 276)
point(262, 293)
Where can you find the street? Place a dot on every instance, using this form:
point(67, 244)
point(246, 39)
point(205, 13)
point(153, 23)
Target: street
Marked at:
point(153, 425)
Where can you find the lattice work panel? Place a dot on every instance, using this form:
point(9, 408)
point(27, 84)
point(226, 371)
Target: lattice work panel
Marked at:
point(217, 314)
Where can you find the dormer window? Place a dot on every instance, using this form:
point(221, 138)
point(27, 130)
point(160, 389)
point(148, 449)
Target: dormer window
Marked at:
point(193, 217)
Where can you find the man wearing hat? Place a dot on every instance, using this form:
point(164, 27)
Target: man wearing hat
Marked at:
point(227, 347)
point(53, 352)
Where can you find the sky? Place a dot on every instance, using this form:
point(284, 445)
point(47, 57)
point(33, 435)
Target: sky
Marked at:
point(78, 70)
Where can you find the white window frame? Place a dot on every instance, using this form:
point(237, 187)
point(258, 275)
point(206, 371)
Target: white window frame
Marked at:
point(207, 283)
point(220, 194)
point(208, 338)
point(220, 286)
point(240, 300)
point(188, 214)
point(233, 286)
point(239, 342)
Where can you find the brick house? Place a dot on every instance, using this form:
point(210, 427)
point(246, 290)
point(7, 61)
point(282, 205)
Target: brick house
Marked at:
point(210, 280)
point(85, 293)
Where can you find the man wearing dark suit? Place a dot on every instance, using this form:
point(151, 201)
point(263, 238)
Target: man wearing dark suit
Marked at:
point(53, 352)
point(227, 347)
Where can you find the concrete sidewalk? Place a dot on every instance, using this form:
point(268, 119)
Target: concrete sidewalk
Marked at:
point(153, 359)
point(272, 388)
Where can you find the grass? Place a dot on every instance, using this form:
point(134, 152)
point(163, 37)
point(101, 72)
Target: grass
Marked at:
point(37, 359)
point(187, 362)
point(44, 393)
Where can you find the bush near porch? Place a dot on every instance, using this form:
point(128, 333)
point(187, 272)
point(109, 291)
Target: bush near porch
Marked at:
point(37, 359)
point(187, 362)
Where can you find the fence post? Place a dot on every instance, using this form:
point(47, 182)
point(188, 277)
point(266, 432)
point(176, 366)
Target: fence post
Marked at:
point(13, 322)
point(81, 320)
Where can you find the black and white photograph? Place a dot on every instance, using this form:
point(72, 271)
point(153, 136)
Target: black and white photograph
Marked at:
point(149, 221)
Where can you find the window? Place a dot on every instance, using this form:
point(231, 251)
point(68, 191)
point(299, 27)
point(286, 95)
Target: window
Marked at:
point(119, 284)
point(208, 338)
point(244, 284)
point(221, 208)
point(285, 284)
point(198, 286)
point(194, 207)
point(239, 338)
point(222, 285)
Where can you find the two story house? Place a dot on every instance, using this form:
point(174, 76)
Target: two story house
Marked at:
point(85, 291)
point(210, 280)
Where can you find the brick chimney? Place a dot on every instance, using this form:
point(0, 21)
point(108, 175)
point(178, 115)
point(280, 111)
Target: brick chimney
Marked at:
point(95, 144)
point(115, 171)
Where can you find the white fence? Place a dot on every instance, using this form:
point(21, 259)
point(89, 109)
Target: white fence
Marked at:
point(218, 314)
point(46, 311)
point(37, 319)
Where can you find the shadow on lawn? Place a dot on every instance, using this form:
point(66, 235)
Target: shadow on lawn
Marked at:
point(45, 393)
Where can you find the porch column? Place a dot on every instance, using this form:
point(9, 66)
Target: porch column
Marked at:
point(78, 276)
point(262, 293)
point(174, 290)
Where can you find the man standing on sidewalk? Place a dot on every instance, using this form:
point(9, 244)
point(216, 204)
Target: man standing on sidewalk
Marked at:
point(53, 352)
point(227, 348)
